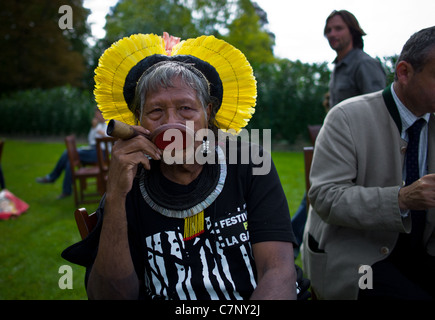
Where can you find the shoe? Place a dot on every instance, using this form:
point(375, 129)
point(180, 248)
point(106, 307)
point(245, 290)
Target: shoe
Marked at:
point(44, 180)
point(62, 196)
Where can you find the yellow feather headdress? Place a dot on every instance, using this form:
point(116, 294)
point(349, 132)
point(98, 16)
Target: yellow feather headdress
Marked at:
point(235, 73)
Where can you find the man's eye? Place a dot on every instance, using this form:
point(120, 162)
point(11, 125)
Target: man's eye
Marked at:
point(155, 110)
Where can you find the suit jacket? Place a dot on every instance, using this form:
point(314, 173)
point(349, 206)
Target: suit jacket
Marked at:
point(355, 177)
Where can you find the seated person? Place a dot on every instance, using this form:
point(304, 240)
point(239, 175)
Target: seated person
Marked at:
point(189, 230)
point(87, 154)
point(373, 188)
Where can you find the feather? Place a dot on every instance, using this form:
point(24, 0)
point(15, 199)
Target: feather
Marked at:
point(113, 68)
point(235, 72)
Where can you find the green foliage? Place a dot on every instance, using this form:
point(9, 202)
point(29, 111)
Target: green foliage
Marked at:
point(152, 16)
point(247, 34)
point(237, 22)
point(36, 52)
point(389, 65)
point(57, 111)
point(32, 243)
point(290, 96)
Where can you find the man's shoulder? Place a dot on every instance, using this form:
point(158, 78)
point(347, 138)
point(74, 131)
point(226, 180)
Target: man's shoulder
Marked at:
point(360, 106)
point(367, 99)
point(363, 57)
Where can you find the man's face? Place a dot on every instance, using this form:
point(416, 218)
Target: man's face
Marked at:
point(178, 104)
point(419, 88)
point(338, 34)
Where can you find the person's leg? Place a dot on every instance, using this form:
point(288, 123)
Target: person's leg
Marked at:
point(67, 182)
point(298, 223)
point(86, 155)
point(57, 171)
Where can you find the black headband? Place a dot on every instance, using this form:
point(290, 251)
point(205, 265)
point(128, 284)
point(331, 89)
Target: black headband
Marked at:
point(216, 88)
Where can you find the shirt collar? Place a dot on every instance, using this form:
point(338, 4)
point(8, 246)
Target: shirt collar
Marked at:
point(407, 117)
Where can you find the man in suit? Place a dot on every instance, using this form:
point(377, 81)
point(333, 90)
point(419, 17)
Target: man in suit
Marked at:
point(370, 232)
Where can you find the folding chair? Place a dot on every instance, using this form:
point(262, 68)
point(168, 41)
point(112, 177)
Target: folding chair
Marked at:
point(82, 175)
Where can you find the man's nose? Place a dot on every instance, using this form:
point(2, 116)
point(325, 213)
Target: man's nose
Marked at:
point(172, 116)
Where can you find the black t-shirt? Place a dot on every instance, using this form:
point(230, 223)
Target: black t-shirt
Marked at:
point(218, 263)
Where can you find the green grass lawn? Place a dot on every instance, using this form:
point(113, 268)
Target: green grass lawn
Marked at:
point(31, 244)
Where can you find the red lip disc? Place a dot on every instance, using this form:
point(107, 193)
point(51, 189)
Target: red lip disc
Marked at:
point(158, 134)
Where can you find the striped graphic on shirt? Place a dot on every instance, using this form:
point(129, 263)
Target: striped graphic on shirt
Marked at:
point(215, 265)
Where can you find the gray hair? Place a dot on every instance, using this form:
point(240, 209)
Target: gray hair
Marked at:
point(162, 74)
point(417, 49)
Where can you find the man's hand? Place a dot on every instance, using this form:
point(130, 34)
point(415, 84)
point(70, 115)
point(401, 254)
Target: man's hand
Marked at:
point(420, 195)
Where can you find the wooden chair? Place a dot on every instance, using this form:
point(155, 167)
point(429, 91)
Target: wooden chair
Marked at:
point(308, 158)
point(104, 153)
point(85, 223)
point(82, 175)
point(313, 131)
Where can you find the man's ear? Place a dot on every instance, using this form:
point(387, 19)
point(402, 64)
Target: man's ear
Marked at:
point(404, 72)
point(137, 114)
point(208, 110)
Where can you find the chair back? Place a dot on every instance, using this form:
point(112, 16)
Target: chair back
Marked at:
point(313, 131)
point(308, 159)
point(85, 223)
point(82, 176)
point(104, 152)
point(73, 155)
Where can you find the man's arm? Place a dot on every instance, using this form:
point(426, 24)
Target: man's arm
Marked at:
point(113, 275)
point(345, 190)
point(276, 274)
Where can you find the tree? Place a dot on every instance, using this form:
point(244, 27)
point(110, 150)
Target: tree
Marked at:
point(290, 96)
point(36, 52)
point(247, 33)
point(152, 16)
point(238, 22)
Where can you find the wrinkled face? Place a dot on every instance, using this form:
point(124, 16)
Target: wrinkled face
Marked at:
point(338, 34)
point(177, 104)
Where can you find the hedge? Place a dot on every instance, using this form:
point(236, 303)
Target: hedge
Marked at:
point(56, 111)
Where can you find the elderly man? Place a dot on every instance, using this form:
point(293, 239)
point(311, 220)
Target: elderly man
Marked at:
point(370, 231)
point(189, 230)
